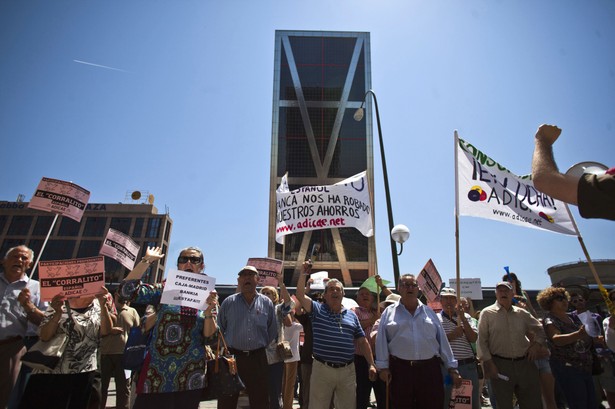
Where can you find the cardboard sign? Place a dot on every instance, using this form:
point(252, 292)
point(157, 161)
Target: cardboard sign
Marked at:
point(470, 287)
point(187, 289)
point(429, 281)
point(121, 248)
point(461, 398)
point(74, 278)
point(63, 198)
point(268, 270)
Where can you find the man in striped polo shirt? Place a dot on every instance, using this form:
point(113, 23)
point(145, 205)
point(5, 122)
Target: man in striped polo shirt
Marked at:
point(460, 332)
point(335, 330)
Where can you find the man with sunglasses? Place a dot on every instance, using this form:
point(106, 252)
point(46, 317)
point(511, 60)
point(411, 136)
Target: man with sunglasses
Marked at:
point(175, 373)
point(410, 346)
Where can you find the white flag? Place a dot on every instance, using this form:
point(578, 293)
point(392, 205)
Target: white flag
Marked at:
point(345, 204)
point(489, 190)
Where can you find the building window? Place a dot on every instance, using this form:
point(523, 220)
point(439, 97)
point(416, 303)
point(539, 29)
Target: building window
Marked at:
point(68, 227)
point(58, 250)
point(20, 226)
point(167, 231)
point(138, 230)
point(3, 220)
point(121, 224)
point(8, 244)
point(153, 227)
point(89, 248)
point(42, 225)
point(95, 226)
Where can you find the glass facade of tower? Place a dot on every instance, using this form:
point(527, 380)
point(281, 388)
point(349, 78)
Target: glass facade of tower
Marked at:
point(320, 80)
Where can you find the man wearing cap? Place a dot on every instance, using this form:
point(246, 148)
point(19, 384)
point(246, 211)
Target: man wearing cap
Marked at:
point(410, 346)
point(460, 332)
point(247, 321)
point(506, 352)
point(335, 330)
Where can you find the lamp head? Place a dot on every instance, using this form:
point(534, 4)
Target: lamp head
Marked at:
point(595, 168)
point(400, 233)
point(358, 115)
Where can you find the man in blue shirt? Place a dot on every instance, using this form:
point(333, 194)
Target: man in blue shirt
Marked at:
point(335, 331)
point(410, 345)
point(247, 321)
point(21, 312)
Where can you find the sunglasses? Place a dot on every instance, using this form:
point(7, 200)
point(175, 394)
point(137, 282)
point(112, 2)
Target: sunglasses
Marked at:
point(189, 259)
point(409, 285)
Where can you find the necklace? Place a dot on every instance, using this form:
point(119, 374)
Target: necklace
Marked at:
point(338, 319)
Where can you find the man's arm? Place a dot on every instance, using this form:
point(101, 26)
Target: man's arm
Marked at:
point(545, 174)
point(304, 300)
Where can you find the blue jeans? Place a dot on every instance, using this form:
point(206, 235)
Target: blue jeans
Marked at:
point(578, 385)
point(467, 371)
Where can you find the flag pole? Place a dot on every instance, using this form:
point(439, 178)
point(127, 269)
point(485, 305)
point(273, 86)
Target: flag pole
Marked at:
point(457, 268)
point(40, 253)
point(605, 294)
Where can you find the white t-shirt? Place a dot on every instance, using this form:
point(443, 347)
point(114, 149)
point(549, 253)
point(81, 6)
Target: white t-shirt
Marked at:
point(291, 334)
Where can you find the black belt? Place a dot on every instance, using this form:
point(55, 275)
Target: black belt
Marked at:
point(466, 361)
point(245, 353)
point(417, 362)
point(334, 364)
point(519, 358)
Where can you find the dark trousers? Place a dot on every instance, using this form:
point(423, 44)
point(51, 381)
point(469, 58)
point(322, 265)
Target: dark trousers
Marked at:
point(253, 371)
point(364, 385)
point(111, 366)
point(416, 385)
point(51, 391)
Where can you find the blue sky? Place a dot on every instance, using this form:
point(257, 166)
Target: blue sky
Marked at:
point(190, 102)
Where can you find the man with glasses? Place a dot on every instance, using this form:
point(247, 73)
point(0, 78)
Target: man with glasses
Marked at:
point(507, 354)
point(410, 345)
point(247, 321)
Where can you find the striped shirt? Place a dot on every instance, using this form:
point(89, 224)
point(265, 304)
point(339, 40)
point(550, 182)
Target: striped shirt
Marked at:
point(462, 349)
point(247, 327)
point(334, 334)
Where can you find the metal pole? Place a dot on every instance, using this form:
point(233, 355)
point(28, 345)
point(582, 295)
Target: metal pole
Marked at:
point(386, 190)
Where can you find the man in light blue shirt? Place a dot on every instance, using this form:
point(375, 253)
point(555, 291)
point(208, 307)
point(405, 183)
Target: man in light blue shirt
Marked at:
point(21, 311)
point(247, 321)
point(410, 346)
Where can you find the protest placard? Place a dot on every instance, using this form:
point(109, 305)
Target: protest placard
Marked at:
point(319, 280)
point(268, 270)
point(461, 398)
point(74, 278)
point(121, 248)
point(60, 197)
point(429, 281)
point(470, 287)
point(187, 289)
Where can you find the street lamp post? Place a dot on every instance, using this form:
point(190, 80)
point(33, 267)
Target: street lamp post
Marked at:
point(358, 115)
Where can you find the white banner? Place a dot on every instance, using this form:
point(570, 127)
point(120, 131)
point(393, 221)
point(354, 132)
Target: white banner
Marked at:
point(63, 198)
point(429, 281)
point(487, 189)
point(187, 289)
point(345, 204)
point(470, 287)
point(121, 248)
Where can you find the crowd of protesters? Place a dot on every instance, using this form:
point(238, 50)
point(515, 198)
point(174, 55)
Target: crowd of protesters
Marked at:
point(410, 355)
